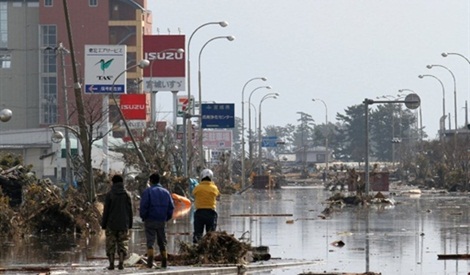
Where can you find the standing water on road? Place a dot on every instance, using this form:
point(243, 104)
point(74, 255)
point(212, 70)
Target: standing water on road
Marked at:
point(405, 238)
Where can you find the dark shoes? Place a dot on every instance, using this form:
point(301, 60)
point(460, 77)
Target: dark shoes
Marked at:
point(121, 261)
point(111, 262)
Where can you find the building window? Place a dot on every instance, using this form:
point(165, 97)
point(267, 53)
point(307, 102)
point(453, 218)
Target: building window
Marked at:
point(5, 61)
point(3, 25)
point(47, 3)
point(93, 3)
point(48, 92)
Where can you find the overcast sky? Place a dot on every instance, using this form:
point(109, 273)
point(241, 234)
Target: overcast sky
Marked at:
point(340, 51)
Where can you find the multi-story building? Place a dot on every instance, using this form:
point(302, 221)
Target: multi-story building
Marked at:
point(36, 83)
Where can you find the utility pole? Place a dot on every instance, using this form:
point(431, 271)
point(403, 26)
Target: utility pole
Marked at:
point(83, 137)
point(68, 171)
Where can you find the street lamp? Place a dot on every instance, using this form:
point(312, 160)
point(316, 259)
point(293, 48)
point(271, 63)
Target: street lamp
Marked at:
point(443, 126)
point(461, 55)
point(250, 138)
point(326, 132)
point(420, 112)
point(223, 24)
point(142, 64)
point(201, 151)
point(243, 128)
point(455, 90)
point(5, 115)
point(260, 155)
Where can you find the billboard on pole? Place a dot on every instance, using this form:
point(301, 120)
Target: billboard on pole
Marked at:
point(218, 115)
point(103, 64)
point(135, 106)
point(167, 66)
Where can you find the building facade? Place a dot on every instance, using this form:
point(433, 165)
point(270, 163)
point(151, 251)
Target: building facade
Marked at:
point(36, 71)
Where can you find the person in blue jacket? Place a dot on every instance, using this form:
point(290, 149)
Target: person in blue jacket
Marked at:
point(156, 208)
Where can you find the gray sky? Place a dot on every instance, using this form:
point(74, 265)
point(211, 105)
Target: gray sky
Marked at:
point(340, 51)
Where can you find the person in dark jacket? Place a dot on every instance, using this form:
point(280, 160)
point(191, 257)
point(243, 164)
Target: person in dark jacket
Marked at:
point(156, 208)
point(117, 220)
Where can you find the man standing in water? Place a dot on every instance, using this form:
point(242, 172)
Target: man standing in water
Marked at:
point(156, 208)
point(205, 195)
point(117, 220)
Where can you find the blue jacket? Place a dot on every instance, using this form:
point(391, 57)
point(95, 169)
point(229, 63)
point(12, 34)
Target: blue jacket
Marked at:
point(156, 204)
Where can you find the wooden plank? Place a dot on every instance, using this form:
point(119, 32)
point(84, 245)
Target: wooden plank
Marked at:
point(261, 215)
point(453, 256)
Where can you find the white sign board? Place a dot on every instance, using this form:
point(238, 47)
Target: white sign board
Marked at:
point(217, 139)
point(135, 124)
point(105, 67)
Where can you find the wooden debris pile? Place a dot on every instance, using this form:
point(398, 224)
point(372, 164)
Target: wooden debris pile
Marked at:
point(30, 206)
point(46, 209)
point(216, 247)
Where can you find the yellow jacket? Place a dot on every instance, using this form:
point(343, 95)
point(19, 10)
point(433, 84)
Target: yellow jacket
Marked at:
point(205, 195)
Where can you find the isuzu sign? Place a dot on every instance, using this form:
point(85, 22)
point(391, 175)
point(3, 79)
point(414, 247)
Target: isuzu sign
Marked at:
point(167, 66)
point(135, 106)
point(103, 64)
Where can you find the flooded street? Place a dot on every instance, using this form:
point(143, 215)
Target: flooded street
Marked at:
point(402, 239)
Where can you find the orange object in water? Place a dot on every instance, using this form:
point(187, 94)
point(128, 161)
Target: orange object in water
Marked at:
point(182, 205)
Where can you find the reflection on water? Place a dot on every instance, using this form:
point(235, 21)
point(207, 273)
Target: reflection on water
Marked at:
point(402, 239)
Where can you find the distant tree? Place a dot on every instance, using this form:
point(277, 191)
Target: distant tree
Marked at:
point(303, 135)
point(351, 134)
point(390, 126)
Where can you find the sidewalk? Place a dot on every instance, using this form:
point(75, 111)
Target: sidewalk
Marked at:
point(99, 267)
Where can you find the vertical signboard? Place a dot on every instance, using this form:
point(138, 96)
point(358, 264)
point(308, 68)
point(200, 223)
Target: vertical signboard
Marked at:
point(167, 66)
point(103, 64)
point(185, 106)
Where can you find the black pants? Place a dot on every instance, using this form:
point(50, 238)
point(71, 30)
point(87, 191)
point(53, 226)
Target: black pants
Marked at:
point(155, 229)
point(204, 219)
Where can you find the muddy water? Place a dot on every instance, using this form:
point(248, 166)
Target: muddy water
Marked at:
point(402, 239)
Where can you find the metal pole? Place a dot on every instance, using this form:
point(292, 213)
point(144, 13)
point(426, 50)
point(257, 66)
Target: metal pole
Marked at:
point(243, 180)
point(366, 168)
point(68, 170)
point(188, 68)
point(201, 149)
point(260, 149)
point(185, 153)
point(326, 133)
point(455, 91)
point(250, 141)
point(83, 137)
point(142, 64)
point(260, 158)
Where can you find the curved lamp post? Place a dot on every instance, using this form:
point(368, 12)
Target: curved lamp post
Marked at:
point(326, 132)
point(461, 55)
point(243, 127)
point(201, 150)
point(260, 152)
point(443, 97)
point(455, 90)
point(250, 136)
point(188, 134)
point(142, 64)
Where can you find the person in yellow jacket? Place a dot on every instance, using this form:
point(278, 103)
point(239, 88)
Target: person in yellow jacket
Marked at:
point(205, 196)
